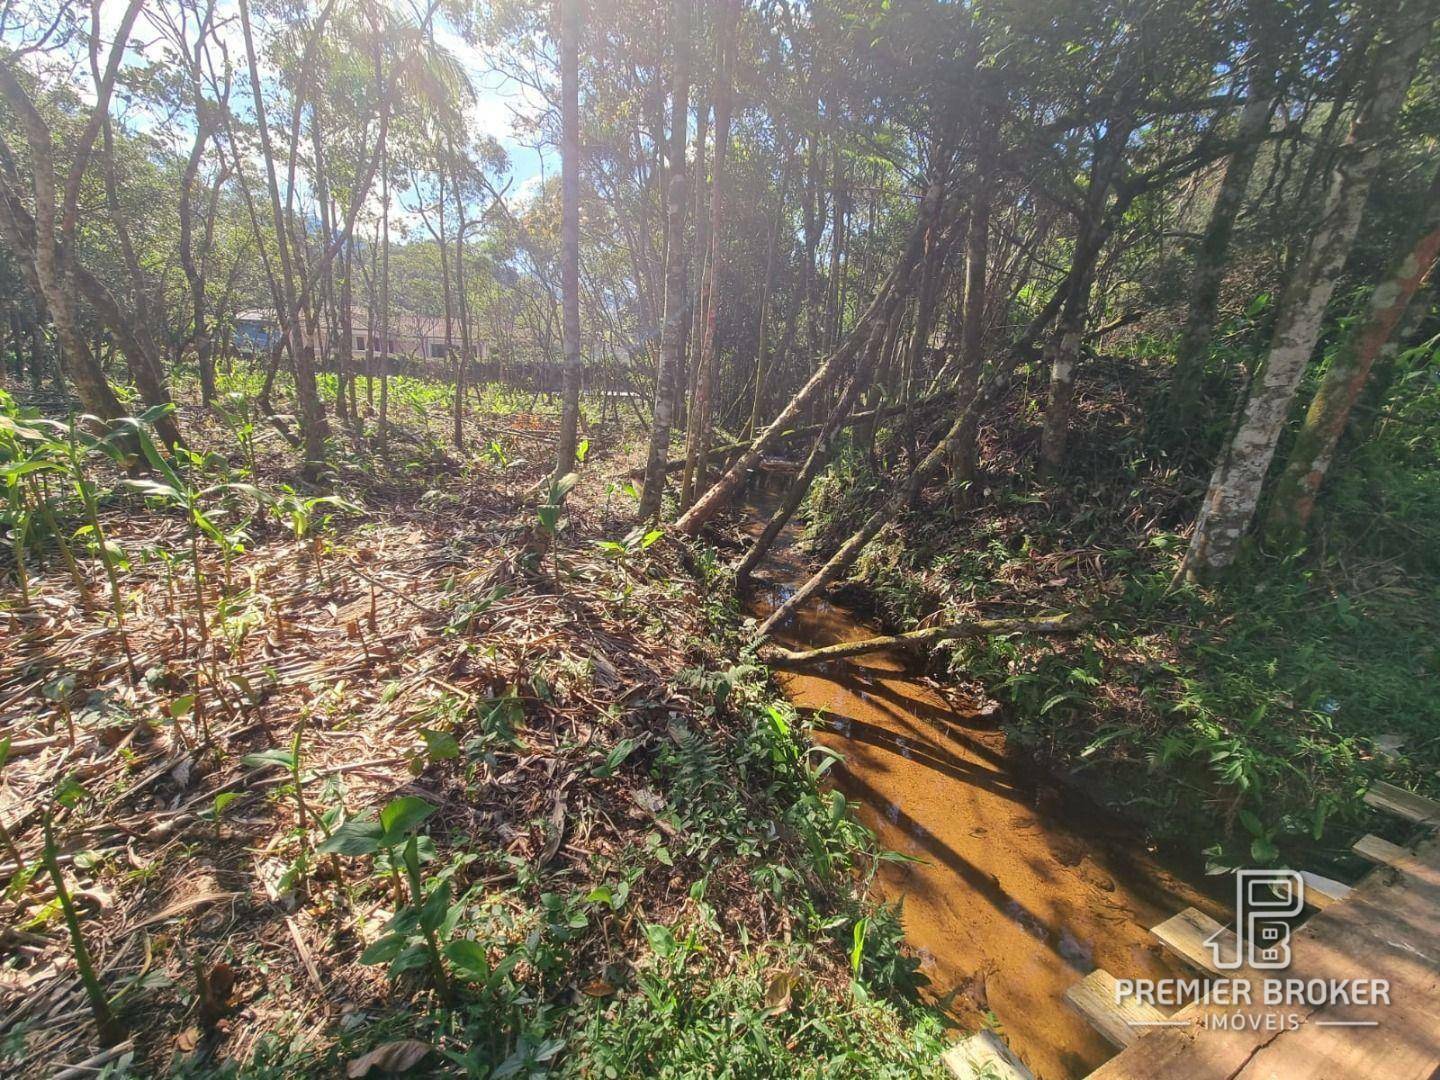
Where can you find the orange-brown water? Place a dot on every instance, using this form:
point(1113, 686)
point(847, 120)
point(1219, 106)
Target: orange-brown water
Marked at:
point(1020, 889)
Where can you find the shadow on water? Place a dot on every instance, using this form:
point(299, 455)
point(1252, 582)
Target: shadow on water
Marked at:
point(1017, 887)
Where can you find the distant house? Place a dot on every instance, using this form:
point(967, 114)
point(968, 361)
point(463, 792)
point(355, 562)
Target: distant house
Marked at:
point(409, 337)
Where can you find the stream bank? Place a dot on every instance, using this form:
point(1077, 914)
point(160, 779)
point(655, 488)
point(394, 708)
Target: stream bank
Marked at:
point(1013, 887)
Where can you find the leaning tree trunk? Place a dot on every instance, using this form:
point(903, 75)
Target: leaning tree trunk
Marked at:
point(991, 391)
point(569, 232)
point(1239, 475)
point(762, 351)
point(40, 241)
point(1367, 414)
point(839, 361)
point(823, 447)
point(902, 498)
point(1294, 499)
point(672, 333)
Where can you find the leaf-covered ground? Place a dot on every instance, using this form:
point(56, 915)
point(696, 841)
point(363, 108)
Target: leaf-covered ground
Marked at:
point(417, 783)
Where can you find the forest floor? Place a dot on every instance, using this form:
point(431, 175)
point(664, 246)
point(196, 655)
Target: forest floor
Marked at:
point(431, 787)
point(1250, 715)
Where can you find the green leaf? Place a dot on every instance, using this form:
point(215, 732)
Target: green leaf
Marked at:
point(440, 745)
point(662, 941)
point(1262, 850)
point(469, 959)
point(224, 799)
point(404, 814)
point(266, 758)
point(384, 950)
point(414, 957)
point(69, 792)
point(857, 950)
point(358, 836)
point(436, 905)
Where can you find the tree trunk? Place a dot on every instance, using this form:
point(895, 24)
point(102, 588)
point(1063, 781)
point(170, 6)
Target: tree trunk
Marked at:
point(903, 497)
point(569, 233)
point(824, 444)
point(52, 276)
point(697, 449)
point(1211, 258)
point(930, 635)
point(1294, 498)
point(762, 347)
point(1096, 223)
point(964, 461)
point(1369, 411)
point(1234, 491)
point(724, 489)
point(384, 352)
point(672, 332)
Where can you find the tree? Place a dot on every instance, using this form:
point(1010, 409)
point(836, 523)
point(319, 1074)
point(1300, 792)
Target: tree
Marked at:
point(672, 334)
point(570, 233)
point(1234, 491)
point(1293, 500)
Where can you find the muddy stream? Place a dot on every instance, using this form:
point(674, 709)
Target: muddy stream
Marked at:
point(1022, 887)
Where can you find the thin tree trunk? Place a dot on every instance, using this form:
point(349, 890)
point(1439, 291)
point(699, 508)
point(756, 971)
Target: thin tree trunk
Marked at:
point(1211, 258)
point(385, 350)
point(53, 278)
point(824, 445)
point(672, 332)
point(569, 233)
point(697, 449)
point(762, 347)
point(1234, 491)
point(1096, 223)
point(1294, 498)
point(466, 356)
point(964, 462)
point(724, 489)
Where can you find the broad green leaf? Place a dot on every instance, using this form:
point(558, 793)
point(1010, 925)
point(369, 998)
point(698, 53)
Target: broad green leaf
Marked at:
point(266, 758)
point(440, 745)
point(358, 836)
point(404, 814)
point(469, 959)
point(384, 950)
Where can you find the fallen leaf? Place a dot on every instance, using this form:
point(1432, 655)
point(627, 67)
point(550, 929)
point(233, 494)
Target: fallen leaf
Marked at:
point(778, 992)
point(597, 988)
point(215, 990)
point(394, 1057)
point(187, 1040)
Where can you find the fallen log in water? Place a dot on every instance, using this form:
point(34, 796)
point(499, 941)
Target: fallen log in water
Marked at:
point(1054, 624)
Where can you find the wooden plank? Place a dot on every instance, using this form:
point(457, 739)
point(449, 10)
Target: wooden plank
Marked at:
point(984, 1056)
point(1402, 803)
point(1389, 928)
point(1379, 851)
point(1321, 892)
point(1185, 935)
point(1121, 1022)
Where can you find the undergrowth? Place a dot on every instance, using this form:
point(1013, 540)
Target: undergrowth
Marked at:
point(1251, 714)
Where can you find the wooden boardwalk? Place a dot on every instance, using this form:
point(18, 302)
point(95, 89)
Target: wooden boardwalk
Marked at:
point(1386, 927)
